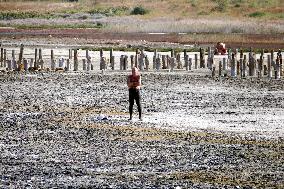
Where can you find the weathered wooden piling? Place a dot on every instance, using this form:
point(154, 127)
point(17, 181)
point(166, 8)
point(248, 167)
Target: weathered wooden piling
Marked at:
point(35, 60)
point(84, 64)
point(5, 57)
point(125, 63)
point(121, 62)
point(52, 61)
point(179, 63)
point(269, 68)
point(233, 66)
point(70, 54)
point(260, 64)
point(209, 61)
point(142, 60)
point(251, 63)
point(155, 59)
point(9, 65)
point(189, 63)
point(164, 62)
point(101, 53)
point(1, 57)
point(112, 62)
point(195, 61)
point(68, 65)
point(132, 61)
point(172, 64)
point(224, 67)
point(147, 63)
point(158, 63)
point(103, 63)
point(26, 66)
point(31, 63)
point(186, 63)
point(220, 69)
point(277, 71)
point(279, 55)
point(20, 57)
point(202, 58)
point(172, 53)
point(244, 67)
point(75, 60)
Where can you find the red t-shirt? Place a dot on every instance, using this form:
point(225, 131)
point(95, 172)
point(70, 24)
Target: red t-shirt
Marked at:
point(134, 79)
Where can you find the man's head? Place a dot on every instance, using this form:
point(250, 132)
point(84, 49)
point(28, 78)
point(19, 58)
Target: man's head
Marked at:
point(135, 71)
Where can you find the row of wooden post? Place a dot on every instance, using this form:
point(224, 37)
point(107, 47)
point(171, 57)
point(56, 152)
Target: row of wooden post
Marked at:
point(239, 67)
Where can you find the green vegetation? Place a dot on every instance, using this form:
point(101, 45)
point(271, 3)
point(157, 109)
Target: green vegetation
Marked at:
point(58, 26)
point(111, 11)
point(257, 14)
point(22, 15)
point(139, 11)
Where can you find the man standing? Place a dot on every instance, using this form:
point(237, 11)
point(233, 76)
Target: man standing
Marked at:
point(134, 86)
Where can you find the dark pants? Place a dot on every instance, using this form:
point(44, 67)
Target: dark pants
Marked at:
point(134, 94)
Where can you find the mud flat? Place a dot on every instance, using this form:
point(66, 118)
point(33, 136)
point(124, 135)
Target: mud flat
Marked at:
point(197, 132)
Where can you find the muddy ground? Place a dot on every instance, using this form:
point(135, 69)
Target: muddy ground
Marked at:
point(197, 132)
point(97, 38)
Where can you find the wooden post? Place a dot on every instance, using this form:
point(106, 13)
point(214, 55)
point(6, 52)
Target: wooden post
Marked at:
point(25, 64)
point(142, 60)
point(220, 69)
point(178, 59)
point(70, 54)
point(101, 53)
point(14, 62)
point(136, 60)
point(186, 63)
point(112, 62)
point(39, 55)
point(244, 66)
point(155, 59)
point(184, 53)
point(132, 62)
point(277, 71)
point(189, 63)
point(84, 65)
point(76, 60)
point(195, 61)
point(121, 62)
point(31, 62)
point(68, 66)
point(110, 54)
point(233, 66)
point(272, 59)
point(279, 55)
point(1, 57)
point(172, 53)
point(103, 63)
point(35, 63)
point(158, 63)
point(251, 64)
point(5, 57)
point(260, 64)
point(52, 62)
point(173, 63)
point(125, 62)
point(209, 58)
point(229, 55)
point(147, 63)
point(9, 64)
point(202, 58)
point(20, 56)
point(224, 64)
point(269, 69)
point(164, 62)
point(168, 62)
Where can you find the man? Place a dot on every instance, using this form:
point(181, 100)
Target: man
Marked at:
point(134, 85)
point(220, 49)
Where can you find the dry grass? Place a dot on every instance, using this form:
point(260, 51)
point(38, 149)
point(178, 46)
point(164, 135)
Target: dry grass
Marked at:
point(159, 8)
